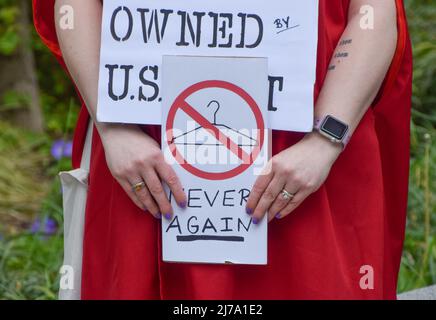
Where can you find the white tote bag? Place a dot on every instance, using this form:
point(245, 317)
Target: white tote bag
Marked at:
point(74, 192)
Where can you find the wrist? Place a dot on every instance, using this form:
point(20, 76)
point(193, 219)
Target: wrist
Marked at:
point(107, 130)
point(322, 145)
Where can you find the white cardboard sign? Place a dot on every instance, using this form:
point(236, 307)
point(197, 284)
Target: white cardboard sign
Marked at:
point(136, 34)
point(214, 133)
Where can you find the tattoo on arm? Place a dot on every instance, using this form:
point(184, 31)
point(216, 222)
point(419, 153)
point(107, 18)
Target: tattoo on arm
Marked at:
point(345, 42)
point(340, 54)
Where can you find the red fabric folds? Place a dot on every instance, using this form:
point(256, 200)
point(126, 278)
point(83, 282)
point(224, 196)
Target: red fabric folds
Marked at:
point(356, 218)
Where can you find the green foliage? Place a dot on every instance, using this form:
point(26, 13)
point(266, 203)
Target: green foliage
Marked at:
point(58, 96)
point(29, 266)
point(418, 267)
point(419, 255)
point(23, 179)
point(14, 100)
point(422, 26)
point(9, 39)
point(29, 186)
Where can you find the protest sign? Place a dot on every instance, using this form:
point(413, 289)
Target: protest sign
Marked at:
point(214, 133)
point(136, 34)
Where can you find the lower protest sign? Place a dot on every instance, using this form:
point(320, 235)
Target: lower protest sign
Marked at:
point(214, 132)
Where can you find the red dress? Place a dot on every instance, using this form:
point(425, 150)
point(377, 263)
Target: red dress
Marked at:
point(356, 218)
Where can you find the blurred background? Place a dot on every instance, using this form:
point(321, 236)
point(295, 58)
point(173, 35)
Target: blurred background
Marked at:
point(38, 111)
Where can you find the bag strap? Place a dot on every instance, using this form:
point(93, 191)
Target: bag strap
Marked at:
point(86, 154)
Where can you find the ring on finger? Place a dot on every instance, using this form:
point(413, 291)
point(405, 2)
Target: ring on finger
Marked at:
point(287, 195)
point(138, 186)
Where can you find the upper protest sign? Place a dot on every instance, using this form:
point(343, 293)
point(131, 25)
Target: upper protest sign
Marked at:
point(136, 34)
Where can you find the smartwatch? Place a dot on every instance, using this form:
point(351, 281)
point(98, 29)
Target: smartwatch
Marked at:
point(333, 129)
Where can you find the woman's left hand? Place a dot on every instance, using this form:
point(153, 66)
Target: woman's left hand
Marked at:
point(300, 170)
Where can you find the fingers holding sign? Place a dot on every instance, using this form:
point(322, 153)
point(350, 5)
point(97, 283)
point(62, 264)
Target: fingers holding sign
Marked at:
point(167, 174)
point(270, 194)
point(294, 174)
point(137, 163)
point(163, 171)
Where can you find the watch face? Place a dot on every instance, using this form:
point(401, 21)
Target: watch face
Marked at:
point(334, 127)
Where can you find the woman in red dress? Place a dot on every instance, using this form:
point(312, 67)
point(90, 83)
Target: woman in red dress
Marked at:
point(338, 233)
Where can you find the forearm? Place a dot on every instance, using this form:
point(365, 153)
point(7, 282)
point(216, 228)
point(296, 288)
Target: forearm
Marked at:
point(80, 48)
point(359, 64)
point(356, 73)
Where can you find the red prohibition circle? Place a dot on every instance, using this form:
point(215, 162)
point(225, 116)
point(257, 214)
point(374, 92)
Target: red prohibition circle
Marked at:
point(241, 93)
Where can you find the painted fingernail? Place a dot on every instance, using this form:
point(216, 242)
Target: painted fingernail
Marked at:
point(182, 204)
point(278, 216)
point(158, 215)
point(255, 221)
point(248, 210)
point(168, 216)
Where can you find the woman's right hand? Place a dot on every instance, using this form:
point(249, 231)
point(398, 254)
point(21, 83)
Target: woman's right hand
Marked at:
point(132, 157)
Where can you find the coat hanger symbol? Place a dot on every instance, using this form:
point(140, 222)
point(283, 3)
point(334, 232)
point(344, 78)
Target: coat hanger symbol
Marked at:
point(216, 111)
point(178, 140)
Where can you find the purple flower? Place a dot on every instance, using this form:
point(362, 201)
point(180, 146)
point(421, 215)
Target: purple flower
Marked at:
point(36, 226)
point(50, 226)
point(57, 149)
point(47, 227)
point(68, 149)
point(61, 148)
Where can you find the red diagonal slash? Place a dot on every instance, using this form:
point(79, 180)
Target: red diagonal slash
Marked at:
point(221, 137)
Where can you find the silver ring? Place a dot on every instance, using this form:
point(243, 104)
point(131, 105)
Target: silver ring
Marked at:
point(287, 195)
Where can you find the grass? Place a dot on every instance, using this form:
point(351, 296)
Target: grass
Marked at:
point(418, 266)
point(22, 157)
point(29, 265)
point(29, 261)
